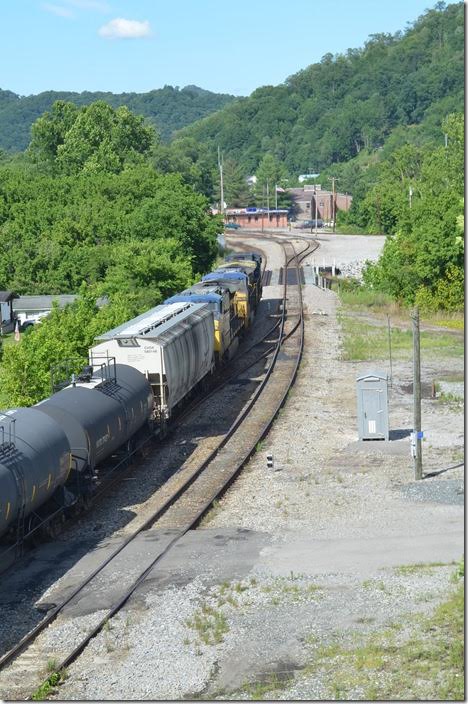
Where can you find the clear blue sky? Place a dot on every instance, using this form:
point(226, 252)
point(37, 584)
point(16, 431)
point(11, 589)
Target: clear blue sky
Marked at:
point(228, 46)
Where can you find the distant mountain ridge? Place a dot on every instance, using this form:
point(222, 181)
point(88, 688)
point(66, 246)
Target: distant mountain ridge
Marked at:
point(168, 109)
point(397, 87)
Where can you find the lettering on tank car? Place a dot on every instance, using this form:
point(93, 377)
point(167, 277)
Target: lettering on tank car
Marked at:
point(102, 441)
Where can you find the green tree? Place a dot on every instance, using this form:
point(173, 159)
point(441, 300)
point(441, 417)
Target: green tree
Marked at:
point(189, 158)
point(49, 131)
point(146, 272)
point(424, 259)
point(63, 335)
point(95, 138)
point(269, 173)
point(237, 193)
point(64, 229)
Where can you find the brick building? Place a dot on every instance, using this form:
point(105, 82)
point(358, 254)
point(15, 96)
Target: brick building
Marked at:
point(257, 218)
point(312, 201)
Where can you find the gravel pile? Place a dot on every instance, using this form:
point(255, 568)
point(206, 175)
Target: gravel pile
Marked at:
point(353, 269)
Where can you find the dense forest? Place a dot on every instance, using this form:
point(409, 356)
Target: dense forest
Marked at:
point(397, 87)
point(86, 211)
point(168, 109)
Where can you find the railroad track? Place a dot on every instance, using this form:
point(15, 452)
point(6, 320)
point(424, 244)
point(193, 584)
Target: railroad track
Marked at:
point(190, 497)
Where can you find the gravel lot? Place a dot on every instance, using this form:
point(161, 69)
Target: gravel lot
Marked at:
point(297, 557)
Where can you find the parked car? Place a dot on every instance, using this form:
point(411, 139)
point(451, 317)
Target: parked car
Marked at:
point(307, 224)
point(231, 226)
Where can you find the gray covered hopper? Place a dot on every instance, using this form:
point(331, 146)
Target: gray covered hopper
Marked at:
point(172, 345)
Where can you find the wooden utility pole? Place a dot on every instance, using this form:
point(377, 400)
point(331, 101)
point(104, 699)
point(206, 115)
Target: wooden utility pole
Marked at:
point(390, 350)
point(417, 435)
point(220, 165)
point(333, 179)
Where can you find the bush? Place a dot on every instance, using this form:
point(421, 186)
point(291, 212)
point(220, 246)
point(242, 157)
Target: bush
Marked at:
point(448, 294)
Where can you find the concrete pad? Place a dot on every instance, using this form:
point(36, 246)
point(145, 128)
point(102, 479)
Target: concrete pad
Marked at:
point(220, 554)
point(214, 554)
point(304, 554)
point(111, 583)
point(380, 447)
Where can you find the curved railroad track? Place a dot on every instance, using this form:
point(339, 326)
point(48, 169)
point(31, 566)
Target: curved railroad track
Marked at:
point(189, 497)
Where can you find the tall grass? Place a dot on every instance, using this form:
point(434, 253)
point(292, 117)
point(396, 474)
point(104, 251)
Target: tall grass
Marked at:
point(365, 342)
point(361, 299)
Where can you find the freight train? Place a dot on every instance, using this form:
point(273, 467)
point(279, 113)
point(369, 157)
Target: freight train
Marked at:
point(139, 374)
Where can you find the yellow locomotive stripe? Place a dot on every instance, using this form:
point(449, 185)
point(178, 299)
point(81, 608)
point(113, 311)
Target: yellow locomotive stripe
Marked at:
point(7, 510)
point(33, 493)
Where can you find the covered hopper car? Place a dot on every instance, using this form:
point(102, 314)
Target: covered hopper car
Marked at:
point(172, 345)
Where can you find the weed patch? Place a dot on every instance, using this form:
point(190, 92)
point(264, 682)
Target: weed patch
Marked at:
point(49, 686)
point(419, 568)
point(211, 625)
point(427, 664)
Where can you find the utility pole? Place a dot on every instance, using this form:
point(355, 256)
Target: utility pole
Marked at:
point(417, 434)
point(220, 165)
point(316, 204)
point(276, 196)
point(268, 197)
point(410, 196)
point(390, 349)
point(263, 204)
point(333, 179)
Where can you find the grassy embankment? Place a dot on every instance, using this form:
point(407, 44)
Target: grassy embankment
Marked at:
point(363, 318)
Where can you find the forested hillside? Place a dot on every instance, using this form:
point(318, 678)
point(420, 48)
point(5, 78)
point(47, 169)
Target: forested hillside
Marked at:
point(85, 211)
point(397, 86)
point(167, 109)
